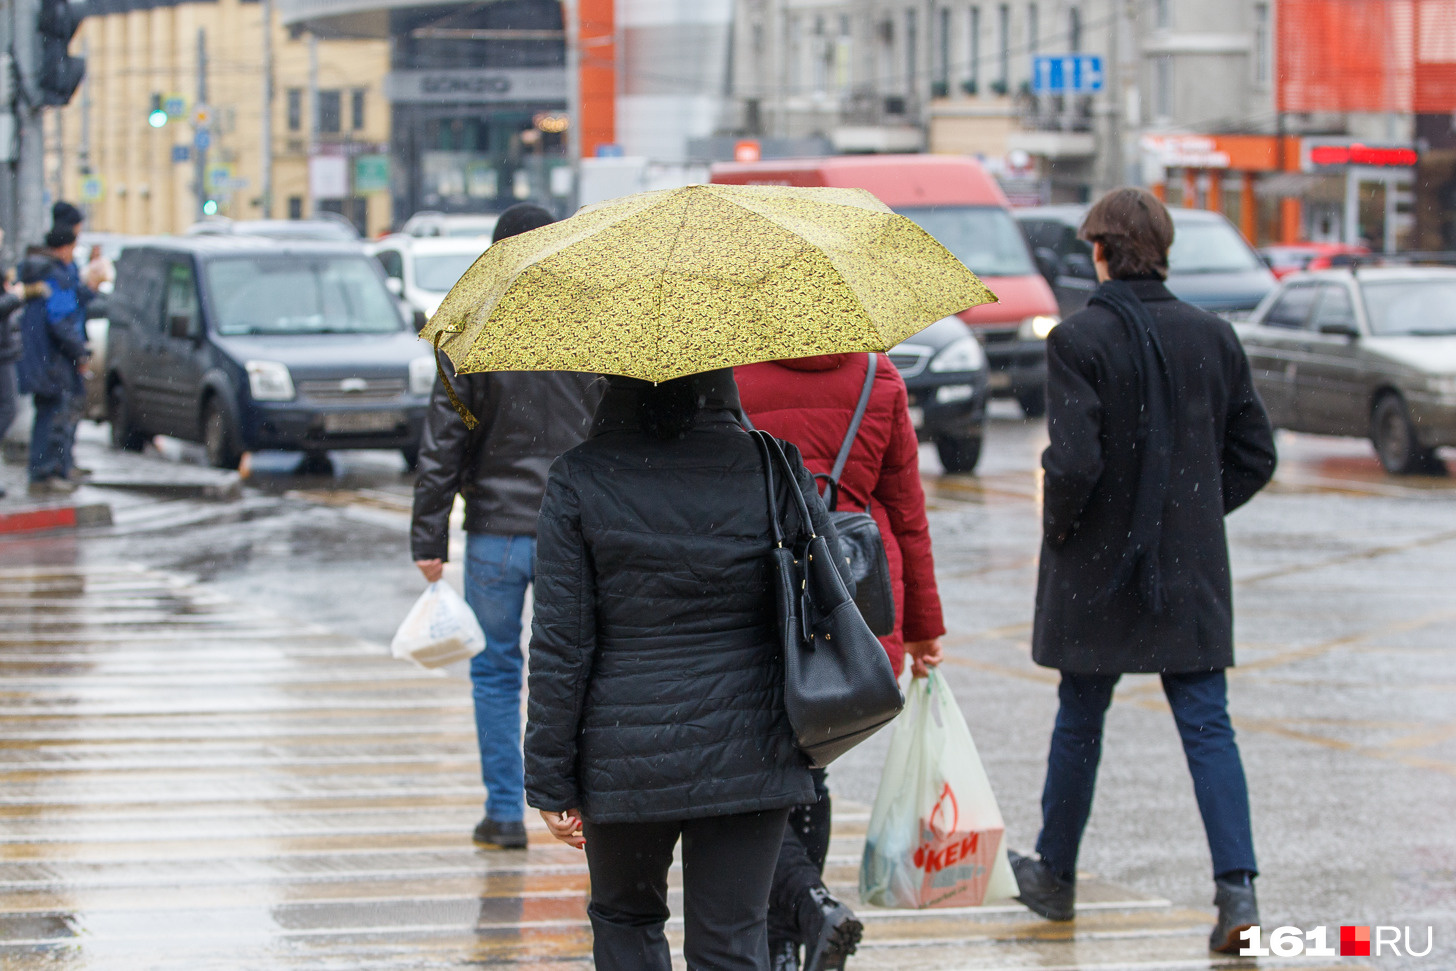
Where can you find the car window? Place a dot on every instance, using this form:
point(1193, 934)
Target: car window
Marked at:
point(1419, 308)
point(392, 262)
point(139, 287)
point(1292, 310)
point(984, 238)
point(180, 318)
point(439, 271)
point(1335, 308)
point(1211, 246)
point(322, 294)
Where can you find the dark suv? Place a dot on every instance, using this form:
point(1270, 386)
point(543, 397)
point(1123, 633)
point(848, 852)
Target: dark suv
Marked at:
point(245, 343)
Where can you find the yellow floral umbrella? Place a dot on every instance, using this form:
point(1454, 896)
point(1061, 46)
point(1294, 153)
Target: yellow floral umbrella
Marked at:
point(662, 284)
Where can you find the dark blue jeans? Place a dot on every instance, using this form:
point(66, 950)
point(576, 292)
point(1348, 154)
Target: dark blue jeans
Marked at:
point(47, 440)
point(1200, 709)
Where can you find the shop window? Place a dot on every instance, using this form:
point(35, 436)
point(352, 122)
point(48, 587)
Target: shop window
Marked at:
point(295, 207)
point(295, 109)
point(356, 109)
point(329, 112)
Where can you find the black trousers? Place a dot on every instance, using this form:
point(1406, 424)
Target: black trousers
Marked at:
point(728, 863)
point(801, 861)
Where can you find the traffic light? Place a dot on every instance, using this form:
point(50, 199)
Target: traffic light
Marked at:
point(59, 74)
point(209, 207)
point(157, 117)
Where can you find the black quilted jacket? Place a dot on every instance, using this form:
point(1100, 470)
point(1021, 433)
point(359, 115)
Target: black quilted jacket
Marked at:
point(656, 687)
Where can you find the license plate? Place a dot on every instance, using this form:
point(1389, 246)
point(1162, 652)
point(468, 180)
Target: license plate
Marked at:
point(1000, 380)
point(345, 422)
point(917, 417)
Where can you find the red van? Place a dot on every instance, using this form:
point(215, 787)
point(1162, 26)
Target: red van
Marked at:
point(955, 200)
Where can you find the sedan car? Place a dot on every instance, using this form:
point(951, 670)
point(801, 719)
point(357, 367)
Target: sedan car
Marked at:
point(421, 270)
point(1293, 257)
point(945, 372)
point(1369, 352)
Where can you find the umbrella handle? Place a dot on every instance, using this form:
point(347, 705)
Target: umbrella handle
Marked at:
point(460, 409)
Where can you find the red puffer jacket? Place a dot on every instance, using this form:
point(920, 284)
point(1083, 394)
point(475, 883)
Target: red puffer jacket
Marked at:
point(809, 401)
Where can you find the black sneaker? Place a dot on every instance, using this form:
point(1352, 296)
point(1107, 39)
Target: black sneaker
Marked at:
point(1041, 890)
point(1238, 910)
point(783, 956)
point(829, 929)
point(492, 835)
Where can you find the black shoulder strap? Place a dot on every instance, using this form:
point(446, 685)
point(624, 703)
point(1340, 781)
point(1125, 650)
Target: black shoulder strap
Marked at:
point(762, 440)
point(842, 459)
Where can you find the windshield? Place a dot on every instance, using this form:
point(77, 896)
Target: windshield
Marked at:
point(300, 295)
point(1210, 247)
point(438, 273)
point(984, 238)
point(1416, 307)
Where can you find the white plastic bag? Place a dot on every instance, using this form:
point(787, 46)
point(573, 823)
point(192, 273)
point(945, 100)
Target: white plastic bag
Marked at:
point(440, 629)
point(935, 835)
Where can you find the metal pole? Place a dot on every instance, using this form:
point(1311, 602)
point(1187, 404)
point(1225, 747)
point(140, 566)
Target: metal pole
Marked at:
point(1115, 171)
point(571, 16)
point(1352, 206)
point(199, 165)
point(313, 114)
point(30, 214)
point(265, 136)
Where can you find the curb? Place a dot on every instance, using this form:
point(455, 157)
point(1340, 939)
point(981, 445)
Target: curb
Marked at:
point(228, 488)
point(42, 518)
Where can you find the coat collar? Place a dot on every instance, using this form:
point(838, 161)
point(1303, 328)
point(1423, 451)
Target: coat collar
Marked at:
point(1150, 289)
point(618, 408)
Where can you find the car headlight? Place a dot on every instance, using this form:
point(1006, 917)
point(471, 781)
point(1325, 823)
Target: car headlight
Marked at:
point(960, 355)
point(422, 375)
point(1038, 327)
point(269, 381)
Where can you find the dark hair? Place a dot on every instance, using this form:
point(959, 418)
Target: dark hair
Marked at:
point(1135, 231)
point(669, 409)
point(64, 215)
point(520, 218)
point(60, 236)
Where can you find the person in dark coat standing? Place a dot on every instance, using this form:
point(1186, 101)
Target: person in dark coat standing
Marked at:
point(810, 401)
point(527, 419)
point(53, 360)
point(1156, 435)
point(656, 703)
point(12, 297)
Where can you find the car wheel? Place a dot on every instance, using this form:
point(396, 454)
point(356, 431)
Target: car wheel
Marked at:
point(125, 434)
point(1033, 403)
point(1394, 436)
point(959, 454)
point(218, 438)
point(411, 456)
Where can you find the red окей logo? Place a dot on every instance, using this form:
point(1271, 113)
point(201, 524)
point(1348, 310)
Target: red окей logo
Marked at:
point(1354, 941)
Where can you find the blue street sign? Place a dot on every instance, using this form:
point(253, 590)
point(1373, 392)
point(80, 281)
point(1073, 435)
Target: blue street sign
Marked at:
point(1066, 74)
point(181, 153)
point(609, 150)
point(202, 139)
point(175, 106)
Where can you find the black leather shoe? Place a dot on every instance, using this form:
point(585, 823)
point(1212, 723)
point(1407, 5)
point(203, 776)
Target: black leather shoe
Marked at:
point(1041, 890)
point(830, 930)
point(783, 956)
point(1238, 910)
point(500, 836)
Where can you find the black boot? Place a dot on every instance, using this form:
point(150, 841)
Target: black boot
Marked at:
point(492, 835)
point(783, 955)
point(1041, 890)
point(1238, 910)
point(829, 929)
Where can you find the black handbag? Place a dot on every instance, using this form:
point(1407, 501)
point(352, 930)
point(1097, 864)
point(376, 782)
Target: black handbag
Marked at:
point(860, 538)
point(839, 688)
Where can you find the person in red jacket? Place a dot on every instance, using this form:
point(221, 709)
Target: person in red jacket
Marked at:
point(810, 401)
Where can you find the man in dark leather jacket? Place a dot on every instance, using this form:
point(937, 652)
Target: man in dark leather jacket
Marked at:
point(527, 419)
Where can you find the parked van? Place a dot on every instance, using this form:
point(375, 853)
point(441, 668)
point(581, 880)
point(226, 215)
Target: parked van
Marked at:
point(955, 200)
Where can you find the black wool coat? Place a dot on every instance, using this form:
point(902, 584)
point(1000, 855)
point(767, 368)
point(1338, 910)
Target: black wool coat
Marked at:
point(656, 684)
point(1222, 454)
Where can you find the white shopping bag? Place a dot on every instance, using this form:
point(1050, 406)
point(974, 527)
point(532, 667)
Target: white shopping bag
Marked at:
point(440, 629)
point(936, 835)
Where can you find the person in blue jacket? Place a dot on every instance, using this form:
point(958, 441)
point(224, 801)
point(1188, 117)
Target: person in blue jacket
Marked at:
point(53, 359)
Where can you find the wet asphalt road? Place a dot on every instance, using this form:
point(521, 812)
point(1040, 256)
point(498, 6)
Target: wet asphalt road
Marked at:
point(209, 760)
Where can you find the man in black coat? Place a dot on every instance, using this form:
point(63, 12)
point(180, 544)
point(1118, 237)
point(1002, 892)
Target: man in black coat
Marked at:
point(1156, 434)
point(527, 419)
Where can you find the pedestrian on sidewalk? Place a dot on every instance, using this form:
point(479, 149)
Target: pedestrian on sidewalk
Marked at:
point(527, 419)
point(656, 705)
point(1156, 435)
point(12, 297)
point(53, 360)
point(811, 401)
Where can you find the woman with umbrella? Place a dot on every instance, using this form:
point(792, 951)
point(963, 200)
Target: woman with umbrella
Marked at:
point(656, 709)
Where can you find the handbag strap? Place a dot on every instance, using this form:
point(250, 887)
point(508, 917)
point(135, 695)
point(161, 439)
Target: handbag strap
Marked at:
point(842, 459)
point(768, 477)
point(773, 453)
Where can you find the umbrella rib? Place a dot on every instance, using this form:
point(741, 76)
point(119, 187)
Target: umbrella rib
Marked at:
point(662, 281)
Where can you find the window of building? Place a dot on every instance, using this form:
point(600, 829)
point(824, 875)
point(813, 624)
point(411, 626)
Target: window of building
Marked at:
point(796, 52)
point(295, 207)
point(1163, 106)
point(912, 50)
point(1033, 28)
point(1163, 13)
point(973, 43)
point(1003, 47)
point(295, 109)
point(942, 54)
point(330, 112)
point(1074, 30)
point(1261, 43)
point(356, 109)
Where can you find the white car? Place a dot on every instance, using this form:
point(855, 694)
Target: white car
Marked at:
point(430, 223)
point(421, 270)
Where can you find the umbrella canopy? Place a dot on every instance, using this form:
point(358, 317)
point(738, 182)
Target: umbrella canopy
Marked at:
point(662, 284)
